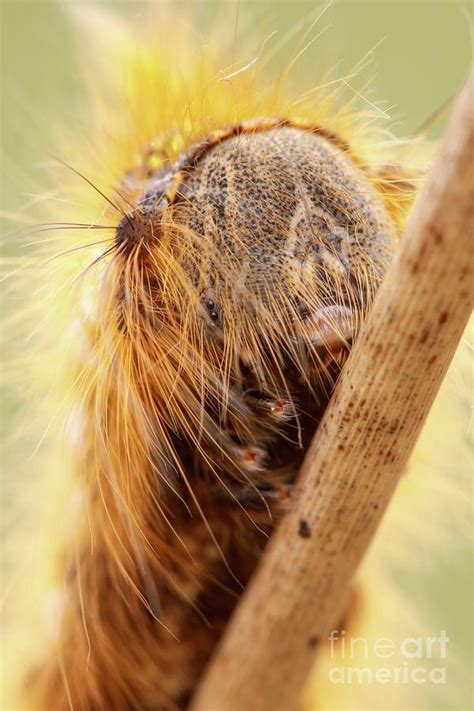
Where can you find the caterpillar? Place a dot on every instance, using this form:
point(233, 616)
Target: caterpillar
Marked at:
point(241, 245)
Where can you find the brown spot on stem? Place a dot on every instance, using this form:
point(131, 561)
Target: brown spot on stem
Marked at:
point(304, 529)
point(437, 234)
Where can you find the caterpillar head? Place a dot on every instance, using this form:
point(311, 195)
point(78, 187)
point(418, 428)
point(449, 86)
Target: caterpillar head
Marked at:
point(269, 235)
point(242, 275)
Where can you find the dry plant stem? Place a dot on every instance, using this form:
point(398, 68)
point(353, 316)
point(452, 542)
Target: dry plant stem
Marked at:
point(361, 448)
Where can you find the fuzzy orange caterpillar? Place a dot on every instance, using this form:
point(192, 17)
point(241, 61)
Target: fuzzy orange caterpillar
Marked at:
point(249, 231)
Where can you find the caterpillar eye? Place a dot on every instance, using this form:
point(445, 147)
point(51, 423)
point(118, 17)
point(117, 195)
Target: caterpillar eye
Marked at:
point(210, 310)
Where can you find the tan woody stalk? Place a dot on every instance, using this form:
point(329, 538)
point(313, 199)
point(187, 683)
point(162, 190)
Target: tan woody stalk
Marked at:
point(361, 447)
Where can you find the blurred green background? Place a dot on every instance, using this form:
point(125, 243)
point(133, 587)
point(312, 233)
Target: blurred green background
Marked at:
point(423, 50)
point(422, 53)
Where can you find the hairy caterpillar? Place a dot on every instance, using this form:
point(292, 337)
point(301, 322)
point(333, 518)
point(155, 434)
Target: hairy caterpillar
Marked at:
point(247, 356)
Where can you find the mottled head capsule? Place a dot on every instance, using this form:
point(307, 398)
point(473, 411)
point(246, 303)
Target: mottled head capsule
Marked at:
point(280, 222)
